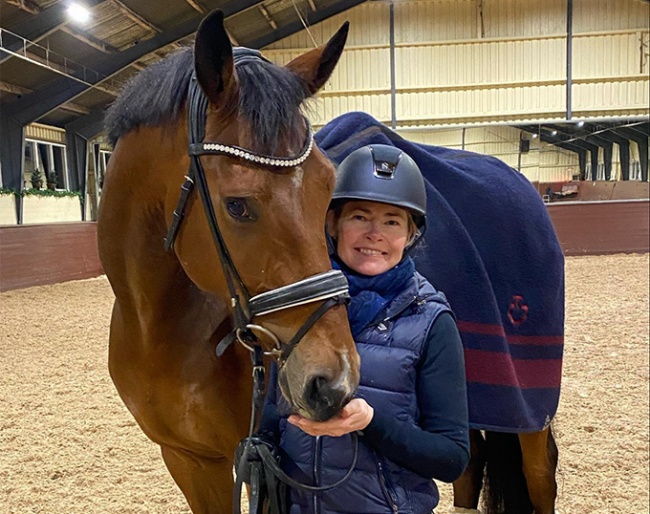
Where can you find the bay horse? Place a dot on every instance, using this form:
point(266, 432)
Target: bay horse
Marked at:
point(243, 260)
point(491, 248)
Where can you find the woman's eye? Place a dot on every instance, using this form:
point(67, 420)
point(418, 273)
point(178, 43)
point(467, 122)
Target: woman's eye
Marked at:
point(238, 208)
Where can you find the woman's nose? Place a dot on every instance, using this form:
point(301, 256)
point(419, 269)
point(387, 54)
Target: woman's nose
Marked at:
point(374, 231)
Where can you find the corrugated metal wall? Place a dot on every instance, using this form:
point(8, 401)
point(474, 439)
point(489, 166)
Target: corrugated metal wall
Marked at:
point(460, 62)
point(542, 163)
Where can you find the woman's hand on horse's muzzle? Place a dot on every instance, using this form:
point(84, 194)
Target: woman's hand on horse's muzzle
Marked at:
point(356, 415)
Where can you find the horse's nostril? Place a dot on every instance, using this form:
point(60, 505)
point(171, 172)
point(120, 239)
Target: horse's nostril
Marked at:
point(313, 390)
point(324, 400)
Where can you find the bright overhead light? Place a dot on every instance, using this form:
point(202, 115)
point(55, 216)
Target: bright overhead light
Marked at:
point(78, 12)
point(581, 123)
point(554, 133)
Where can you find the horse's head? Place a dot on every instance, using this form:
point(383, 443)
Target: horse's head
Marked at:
point(269, 190)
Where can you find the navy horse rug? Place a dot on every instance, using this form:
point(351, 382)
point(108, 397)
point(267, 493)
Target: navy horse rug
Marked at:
point(491, 248)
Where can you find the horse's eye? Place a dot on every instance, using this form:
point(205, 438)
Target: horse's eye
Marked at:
point(238, 209)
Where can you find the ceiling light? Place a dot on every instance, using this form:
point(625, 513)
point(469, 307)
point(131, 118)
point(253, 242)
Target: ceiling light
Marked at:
point(581, 123)
point(78, 12)
point(534, 136)
point(554, 133)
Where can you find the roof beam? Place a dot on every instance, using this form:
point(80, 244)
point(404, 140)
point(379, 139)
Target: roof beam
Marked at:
point(634, 132)
point(268, 17)
point(48, 19)
point(88, 126)
point(89, 39)
point(20, 90)
point(14, 89)
point(138, 65)
point(233, 41)
point(62, 70)
point(311, 19)
point(36, 105)
point(39, 27)
point(136, 18)
point(559, 140)
point(196, 6)
point(76, 108)
point(26, 5)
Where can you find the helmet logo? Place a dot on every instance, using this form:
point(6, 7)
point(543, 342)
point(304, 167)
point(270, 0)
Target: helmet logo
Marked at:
point(385, 169)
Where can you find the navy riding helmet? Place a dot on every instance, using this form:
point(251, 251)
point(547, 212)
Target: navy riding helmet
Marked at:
point(386, 174)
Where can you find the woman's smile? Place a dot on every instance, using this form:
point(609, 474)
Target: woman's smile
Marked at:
point(370, 252)
point(370, 236)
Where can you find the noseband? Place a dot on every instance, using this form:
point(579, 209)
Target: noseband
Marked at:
point(330, 287)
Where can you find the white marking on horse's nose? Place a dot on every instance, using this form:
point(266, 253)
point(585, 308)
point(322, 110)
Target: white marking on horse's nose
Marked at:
point(342, 383)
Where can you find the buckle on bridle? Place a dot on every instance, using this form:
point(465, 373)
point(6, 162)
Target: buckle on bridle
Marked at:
point(247, 338)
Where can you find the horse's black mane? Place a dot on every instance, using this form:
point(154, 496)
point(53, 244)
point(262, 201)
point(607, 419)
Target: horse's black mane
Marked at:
point(269, 98)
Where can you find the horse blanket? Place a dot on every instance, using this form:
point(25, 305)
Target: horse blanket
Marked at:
point(491, 248)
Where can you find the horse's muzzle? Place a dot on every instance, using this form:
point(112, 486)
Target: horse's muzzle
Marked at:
point(325, 398)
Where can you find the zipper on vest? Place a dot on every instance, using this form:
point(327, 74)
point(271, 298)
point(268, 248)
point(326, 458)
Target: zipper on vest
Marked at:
point(315, 501)
point(381, 325)
point(384, 487)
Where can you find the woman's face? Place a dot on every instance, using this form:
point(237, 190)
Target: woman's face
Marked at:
point(370, 236)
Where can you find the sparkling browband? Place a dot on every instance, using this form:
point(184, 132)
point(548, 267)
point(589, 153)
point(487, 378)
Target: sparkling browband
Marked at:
point(268, 160)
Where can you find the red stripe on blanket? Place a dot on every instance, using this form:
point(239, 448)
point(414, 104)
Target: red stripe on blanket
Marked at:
point(480, 328)
point(497, 330)
point(496, 368)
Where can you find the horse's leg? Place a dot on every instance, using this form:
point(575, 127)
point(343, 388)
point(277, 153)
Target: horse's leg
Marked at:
point(207, 483)
point(467, 489)
point(539, 456)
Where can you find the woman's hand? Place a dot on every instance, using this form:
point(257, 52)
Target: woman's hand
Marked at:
point(356, 415)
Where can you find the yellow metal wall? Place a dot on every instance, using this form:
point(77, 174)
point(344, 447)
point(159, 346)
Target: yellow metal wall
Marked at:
point(467, 61)
point(470, 62)
point(543, 162)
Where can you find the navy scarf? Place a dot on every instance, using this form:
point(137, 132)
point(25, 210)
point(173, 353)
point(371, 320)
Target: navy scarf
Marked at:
point(371, 294)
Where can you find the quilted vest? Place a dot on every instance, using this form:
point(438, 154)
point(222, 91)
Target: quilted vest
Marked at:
point(390, 348)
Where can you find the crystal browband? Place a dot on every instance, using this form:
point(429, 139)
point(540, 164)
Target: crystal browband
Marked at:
point(268, 160)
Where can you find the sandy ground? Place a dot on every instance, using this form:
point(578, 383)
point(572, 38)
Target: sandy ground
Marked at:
point(68, 445)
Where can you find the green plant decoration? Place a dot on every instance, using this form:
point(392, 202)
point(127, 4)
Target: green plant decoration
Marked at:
point(36, 179)
point(51, 181)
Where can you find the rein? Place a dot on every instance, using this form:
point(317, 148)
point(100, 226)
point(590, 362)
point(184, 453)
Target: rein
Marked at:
point(330, 287)
point(265, 466)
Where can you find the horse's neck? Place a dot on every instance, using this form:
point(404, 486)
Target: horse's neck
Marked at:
point(162, 295)
point(149, 282)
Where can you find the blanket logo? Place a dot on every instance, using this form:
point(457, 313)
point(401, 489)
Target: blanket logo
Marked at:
point(518, 310)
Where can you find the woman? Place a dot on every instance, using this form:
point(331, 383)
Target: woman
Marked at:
point(410, 411)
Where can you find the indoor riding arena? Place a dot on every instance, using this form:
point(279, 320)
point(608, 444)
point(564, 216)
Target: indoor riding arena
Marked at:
point(556, 90)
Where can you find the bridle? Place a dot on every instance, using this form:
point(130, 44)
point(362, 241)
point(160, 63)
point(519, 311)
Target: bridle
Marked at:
point(330, 287)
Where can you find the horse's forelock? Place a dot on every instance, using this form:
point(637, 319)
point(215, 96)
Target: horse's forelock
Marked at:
point(152, 97)
point(269, 99)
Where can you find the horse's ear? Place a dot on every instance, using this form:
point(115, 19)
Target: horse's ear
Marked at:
point(213, 60)
point(316, 66)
